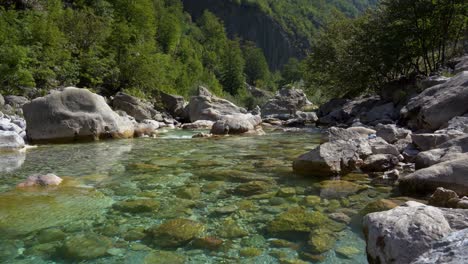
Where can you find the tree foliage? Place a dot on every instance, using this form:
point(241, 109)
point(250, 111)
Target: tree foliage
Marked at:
point(138, 46)
point(398, 39)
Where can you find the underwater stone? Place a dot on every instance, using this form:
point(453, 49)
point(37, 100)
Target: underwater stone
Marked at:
point(86, 246)
point(137, 206)
point(175, 232)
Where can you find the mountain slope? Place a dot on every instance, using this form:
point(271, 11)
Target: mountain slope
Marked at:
point(282, 28)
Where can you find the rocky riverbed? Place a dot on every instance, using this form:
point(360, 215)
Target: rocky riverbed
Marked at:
point(175, 199)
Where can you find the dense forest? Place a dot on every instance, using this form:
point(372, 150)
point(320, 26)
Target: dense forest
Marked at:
point(146, 46)
point(137, 46)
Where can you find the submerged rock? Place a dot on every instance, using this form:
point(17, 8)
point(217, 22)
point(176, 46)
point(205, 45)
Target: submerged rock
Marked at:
point(41, 180)
point(74, 114)
point(23, 210)
point(137, 206)
point(175, 232)
point(296, 222)
point(163, 257)
point(86, 246)
point(339, 189)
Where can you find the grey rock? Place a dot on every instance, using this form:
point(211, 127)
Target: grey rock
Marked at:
point(432, 81)
point(452, 149)
point(2, 101)
point(10, 141)
point(310, 117)
point(16, 101)
point(206, 106)
point(380, 146)
point(236, 124)
point(332, 158)
point(462, 65)
point(134, 107)
point(385, 113)
point(451, 175)
point(174, 104)
point(74, 114)
point(456, 125)
point(287, 101)
point(346, 111)
point(391, 133)
point(449, 250)
point(434, 107)
point(199, 124)
point(379, 163)
point(429, 141)
point(402, 234)
point(336, 133)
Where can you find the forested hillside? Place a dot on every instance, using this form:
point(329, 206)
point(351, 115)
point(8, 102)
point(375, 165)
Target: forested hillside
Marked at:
point(282, 28)
point(138, 46)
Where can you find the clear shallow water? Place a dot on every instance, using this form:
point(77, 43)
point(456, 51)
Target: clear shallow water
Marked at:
point(203, 180)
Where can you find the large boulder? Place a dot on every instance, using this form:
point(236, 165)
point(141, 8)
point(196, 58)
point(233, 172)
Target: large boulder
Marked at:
point(434, 107)
point(391, 133)
point(135, 107)
point(385, 113)
point(74, 114)
point(286, 102)
point(452, 149)
point(451, 174)
point(404, 233)
point(427, 141)
point(206, 106)
point(449, 250)
point(340, 111)
point(174, 104)
point(332, 158)
point(236, 124)
point(10, 141)
point(346, 151)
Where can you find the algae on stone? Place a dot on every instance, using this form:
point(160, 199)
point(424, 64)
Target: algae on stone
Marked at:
point(175, 232)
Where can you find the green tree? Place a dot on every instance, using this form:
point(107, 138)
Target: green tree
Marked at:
point(232, 71)
point(256, 67)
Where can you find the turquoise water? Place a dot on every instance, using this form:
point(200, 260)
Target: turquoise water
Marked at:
point(233, 188)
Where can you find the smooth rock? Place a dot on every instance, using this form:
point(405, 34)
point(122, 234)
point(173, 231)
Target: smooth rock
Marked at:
point(134, 107)
point(175, 232)
point(236, 124)
point(74, 114)
point(206, 106)
point(435, 106)
point(41, 180)
point(86, 246)
point(451, 175)
point(402, 234)
point(10, 141)
point(287, 101)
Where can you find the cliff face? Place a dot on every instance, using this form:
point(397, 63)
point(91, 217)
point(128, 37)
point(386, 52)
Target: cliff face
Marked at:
point(250, 23)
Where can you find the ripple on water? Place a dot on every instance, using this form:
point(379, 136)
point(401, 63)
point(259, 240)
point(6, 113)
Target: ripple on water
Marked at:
point(240, 189)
